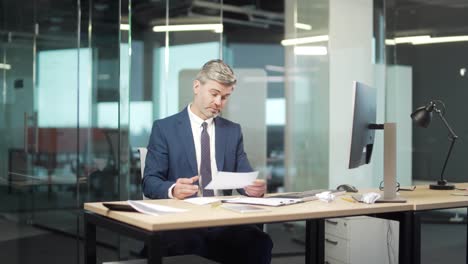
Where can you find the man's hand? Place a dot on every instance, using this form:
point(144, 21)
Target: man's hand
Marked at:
point(184, 187)
point(256, 189)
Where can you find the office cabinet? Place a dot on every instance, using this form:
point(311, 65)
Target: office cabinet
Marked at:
point(362, 240)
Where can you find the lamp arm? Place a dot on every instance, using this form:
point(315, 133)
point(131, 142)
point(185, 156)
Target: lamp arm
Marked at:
point(452, 133)
point(446, 159)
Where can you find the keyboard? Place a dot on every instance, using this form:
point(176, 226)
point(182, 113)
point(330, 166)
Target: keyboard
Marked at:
point(306, 195)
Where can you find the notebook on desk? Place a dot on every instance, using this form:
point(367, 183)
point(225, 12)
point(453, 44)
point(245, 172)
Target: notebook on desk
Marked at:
point(119, 207)
point(306, 195)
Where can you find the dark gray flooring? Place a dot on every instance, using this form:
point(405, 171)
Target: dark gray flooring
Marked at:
point(443, 243)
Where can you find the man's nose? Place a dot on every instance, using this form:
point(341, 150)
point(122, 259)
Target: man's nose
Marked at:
point(217, 100)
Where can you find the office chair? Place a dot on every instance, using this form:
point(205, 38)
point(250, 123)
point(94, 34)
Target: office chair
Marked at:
point(143, 152)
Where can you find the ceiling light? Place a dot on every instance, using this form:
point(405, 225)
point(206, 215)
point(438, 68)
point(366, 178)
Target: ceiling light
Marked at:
point(297, 41)
point(124, 27)
point(5, 66)
point(310, 50)
point(390, 42)
point(411, 39)
point(425, 39)
point(462, 72)
point(303, 26)
point(218, 28)
point(441, 40)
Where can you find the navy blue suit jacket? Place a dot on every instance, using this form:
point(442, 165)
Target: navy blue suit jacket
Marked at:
point(171, 153)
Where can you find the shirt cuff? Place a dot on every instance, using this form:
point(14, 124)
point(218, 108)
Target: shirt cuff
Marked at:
point(169, 191)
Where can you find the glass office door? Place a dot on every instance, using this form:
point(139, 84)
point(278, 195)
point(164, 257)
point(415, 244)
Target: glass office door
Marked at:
point(18, 120)
point(39, 139)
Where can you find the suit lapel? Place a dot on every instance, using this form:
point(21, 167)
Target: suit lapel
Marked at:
point(220, 142)
point(186, 136)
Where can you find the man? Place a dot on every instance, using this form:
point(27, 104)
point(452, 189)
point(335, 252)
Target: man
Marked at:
point(183, 152)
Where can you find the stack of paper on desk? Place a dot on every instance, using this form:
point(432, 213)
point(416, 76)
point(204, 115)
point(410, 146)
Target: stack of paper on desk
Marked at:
point(202, 200)
point(263, 201)
point(153, 209)
point(306, 196)
point(245, 208)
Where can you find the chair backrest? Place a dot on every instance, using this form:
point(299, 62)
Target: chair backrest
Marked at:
point(143, 152)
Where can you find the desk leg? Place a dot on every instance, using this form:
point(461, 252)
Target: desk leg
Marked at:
point(315, 239)
point(153, 244)
point(89, 241)
point(410, 238)
point(416, 238)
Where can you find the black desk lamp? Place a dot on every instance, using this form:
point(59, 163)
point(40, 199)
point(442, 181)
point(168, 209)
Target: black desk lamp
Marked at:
point(422, 117)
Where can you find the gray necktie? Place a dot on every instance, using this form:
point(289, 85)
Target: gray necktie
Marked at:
point(205, 162)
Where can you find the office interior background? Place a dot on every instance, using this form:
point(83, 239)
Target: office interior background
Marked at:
point(81, 82)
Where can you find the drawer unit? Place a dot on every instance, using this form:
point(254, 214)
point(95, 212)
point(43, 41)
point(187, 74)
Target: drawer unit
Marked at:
point(329, 260)
point(361, 240)
point(336, 247)
point(337, 227)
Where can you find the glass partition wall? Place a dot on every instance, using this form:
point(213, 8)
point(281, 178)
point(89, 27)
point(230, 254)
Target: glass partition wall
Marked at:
point(64, 123)
point(427, 47)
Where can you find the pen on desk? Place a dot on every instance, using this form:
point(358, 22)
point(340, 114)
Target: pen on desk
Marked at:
point(348, 199)
point(216, 204)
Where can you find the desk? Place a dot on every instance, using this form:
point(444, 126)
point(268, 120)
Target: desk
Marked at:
point(424, 199)
point(147, 228)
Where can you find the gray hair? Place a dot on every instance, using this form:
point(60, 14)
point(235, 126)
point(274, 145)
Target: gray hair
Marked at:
point(217, 70)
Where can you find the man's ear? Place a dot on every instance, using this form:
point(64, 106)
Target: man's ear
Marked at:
point(196, 86)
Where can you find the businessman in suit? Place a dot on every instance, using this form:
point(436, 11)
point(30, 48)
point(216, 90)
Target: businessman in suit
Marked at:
point(183, 152)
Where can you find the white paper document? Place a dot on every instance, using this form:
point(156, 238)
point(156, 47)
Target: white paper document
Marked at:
point(153, 209)
point(231, 180)
point(202, 200)
point(244, 208)
point(263, 201)
point(460, 194)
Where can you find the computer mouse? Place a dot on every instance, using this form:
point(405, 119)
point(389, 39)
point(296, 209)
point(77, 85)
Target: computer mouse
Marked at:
point(347, 188)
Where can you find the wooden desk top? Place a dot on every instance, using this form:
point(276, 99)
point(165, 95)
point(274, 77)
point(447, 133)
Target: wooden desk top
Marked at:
point(424, 198)
point(209, 216)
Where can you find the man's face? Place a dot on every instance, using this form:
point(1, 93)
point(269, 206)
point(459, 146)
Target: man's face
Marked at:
point(209, 98)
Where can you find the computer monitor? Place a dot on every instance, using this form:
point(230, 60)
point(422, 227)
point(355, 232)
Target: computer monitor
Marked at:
point(363, 131)
point(362, 139)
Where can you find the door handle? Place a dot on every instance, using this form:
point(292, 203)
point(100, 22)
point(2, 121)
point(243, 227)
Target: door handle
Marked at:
point(36, 132)
point(26, 132)
point(26, 120)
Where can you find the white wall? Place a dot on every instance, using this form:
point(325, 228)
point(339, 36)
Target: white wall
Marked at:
point(57, 88)
point(399, 107)
point(247, 106)
point(167, 86)
point(319, 97)
point(350, 49)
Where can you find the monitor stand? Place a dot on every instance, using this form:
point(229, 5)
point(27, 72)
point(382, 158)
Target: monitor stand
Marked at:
point(390, 192)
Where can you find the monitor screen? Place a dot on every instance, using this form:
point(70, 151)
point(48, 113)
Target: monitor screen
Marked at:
point(364, 116)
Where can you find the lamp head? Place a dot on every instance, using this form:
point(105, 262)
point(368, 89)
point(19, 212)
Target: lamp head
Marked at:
point(423, 115)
